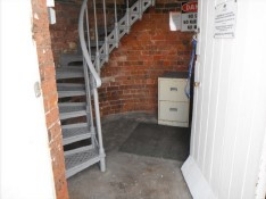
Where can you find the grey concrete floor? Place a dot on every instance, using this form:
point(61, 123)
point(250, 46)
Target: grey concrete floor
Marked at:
point(129, 176)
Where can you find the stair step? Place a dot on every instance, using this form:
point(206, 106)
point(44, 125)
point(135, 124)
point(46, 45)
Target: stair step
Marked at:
point(70, 90)
point(93, 43)
point(75, 132)
point(65, 59)
point(72, 111)
point(81, 160)
point(69, 72)
point(71, 104)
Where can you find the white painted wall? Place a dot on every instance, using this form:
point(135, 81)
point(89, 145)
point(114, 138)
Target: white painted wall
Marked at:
point(229, 116)
point(26, 170)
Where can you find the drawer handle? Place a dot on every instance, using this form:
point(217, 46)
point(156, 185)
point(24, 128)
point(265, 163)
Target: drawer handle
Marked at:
point(173, 109)
point(173, 89)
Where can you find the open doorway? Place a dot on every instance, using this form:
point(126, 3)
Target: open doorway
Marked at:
point(129, 82)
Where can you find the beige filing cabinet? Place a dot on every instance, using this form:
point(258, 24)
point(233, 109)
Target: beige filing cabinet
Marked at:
point(173, 104)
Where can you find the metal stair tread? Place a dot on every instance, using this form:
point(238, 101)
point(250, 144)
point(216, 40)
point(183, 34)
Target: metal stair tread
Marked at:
point(100, 43)
point(68, 90)
point(67, 112)
point(73, 126)
point(71, 93)
point(71, 104)
point(71, 135)
point(68, 109)
point(65, 59)
point(69, 72)
point(93, 43)
point(80, 157)
point(81, 160)
point(70, 87)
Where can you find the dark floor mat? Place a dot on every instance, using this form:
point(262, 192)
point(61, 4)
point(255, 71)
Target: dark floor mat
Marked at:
point(158, 141)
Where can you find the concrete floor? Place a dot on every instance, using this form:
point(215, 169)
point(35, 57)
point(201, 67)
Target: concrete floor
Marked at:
point(129, 176)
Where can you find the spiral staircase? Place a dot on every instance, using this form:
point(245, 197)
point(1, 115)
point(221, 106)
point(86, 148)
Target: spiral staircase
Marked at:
point(78, 79)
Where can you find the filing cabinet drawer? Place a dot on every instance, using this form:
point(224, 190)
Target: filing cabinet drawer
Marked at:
point(172, 89)
point(173, 113)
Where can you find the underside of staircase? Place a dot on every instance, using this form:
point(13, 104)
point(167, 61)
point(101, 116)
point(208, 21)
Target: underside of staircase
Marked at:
point(78, 80)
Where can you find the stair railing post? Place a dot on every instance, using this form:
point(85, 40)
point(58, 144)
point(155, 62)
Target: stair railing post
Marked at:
point(88, 30)
point(98, 127)
point(140, 9)
point(97, 54)
point(106, 43)
point(86, 55)
point(88, 101)
point(86, 77)
point(116, 27)
point(128, 16)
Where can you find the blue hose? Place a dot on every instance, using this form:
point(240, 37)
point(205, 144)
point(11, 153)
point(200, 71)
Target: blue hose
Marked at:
point(191, 64)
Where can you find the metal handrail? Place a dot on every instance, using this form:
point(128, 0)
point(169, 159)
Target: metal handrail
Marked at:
point(105, 49)
point(83, 45)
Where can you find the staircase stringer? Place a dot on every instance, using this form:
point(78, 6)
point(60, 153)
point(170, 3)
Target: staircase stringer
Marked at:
point(133, 14)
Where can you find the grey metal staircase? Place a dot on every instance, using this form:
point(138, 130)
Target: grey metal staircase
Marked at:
point(78, 78)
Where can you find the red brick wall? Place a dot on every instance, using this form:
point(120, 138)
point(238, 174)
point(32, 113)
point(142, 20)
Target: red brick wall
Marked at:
point(64, 34)
point(147, 52)
point(41, 35)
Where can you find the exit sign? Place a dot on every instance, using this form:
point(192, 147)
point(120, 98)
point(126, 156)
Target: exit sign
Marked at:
point(189, 16)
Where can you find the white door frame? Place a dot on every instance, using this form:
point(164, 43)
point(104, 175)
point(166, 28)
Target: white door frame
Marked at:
point(26, 167)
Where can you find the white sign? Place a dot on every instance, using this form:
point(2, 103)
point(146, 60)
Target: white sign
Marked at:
point(189, 16)
point(175, 21)
point(189, 22)
point(225, 20)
